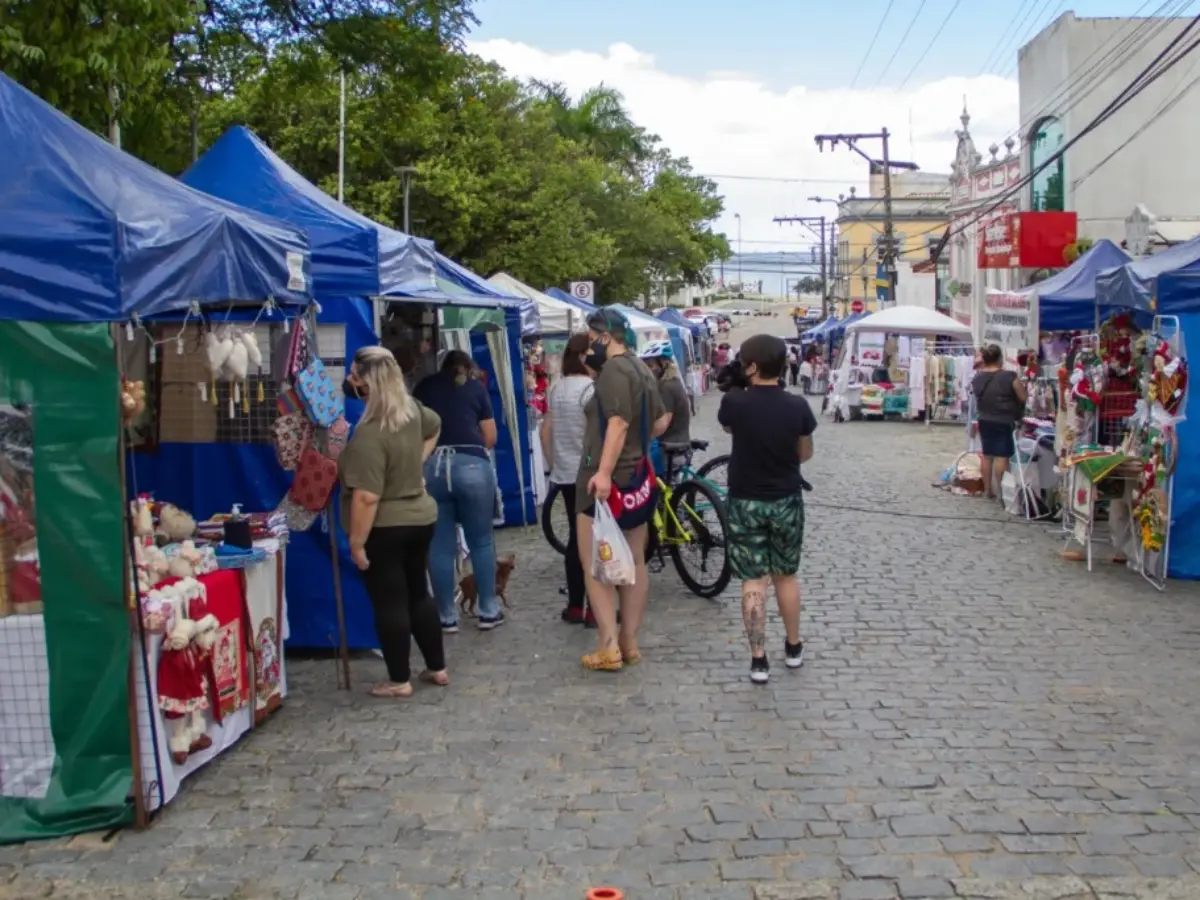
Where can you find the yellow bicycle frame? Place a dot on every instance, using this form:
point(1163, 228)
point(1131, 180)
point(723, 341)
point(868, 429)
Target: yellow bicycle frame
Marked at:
point(664, 518)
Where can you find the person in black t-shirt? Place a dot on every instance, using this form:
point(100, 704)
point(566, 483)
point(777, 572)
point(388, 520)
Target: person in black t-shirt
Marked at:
point(772, 435)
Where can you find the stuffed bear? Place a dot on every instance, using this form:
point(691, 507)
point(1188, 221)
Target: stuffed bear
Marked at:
point(175, 524)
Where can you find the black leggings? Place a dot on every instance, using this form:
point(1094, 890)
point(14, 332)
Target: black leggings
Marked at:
point(404, 610)
point(576, 590)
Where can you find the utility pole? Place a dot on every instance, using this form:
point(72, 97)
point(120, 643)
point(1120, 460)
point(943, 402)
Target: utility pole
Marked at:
point(815, 224)
point(887, 246)
point(406, 174)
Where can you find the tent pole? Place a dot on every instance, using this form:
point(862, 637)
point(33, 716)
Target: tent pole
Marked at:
point(342, 141)
point(334, 558)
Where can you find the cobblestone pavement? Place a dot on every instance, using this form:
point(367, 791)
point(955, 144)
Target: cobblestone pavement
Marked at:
point(975, 719)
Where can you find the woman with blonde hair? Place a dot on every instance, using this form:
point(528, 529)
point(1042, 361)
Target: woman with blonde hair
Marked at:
point(390, 517)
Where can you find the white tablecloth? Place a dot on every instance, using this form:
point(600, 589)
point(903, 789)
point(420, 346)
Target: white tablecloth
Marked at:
point(27, 745)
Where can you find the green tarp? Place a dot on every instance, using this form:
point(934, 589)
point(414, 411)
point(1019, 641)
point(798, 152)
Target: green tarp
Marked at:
point(67, 374)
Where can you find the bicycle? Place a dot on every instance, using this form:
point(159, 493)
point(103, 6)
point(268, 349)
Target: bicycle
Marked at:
point(690, 516)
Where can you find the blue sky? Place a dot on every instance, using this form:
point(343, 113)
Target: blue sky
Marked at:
point(811, 42)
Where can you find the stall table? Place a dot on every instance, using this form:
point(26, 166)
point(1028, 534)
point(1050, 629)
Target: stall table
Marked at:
point(27, 751)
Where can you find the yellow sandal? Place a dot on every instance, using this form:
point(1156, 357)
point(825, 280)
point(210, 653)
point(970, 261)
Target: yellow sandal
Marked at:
point(604, 661)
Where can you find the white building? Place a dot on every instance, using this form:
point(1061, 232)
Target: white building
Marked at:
point(1068, 74)
point(976, 185)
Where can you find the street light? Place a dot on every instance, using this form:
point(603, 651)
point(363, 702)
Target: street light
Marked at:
point(741, 287)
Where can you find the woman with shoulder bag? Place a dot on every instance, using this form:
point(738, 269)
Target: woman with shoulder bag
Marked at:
point(623, 414)
point(999, 404)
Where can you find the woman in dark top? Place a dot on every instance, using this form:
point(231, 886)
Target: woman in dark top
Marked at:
point(999, 403)
point(460, 477)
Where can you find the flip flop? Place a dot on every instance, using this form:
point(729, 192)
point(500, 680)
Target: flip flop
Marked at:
point(441, 679)
point(391, 691)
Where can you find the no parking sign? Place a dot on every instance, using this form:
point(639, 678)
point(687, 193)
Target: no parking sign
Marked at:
point(583, 290)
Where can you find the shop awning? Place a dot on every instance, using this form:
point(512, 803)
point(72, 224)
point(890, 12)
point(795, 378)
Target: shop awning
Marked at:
point(555, 316)
point(91, 234)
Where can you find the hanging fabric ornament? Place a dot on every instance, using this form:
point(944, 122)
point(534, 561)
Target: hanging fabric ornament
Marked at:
point(261, 396)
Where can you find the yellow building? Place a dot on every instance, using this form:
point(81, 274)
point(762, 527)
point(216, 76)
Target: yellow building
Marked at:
point(919, 213)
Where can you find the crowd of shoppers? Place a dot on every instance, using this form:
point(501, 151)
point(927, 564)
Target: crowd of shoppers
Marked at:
point(418, 470)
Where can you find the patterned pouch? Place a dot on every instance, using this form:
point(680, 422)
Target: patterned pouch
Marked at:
point(321, 401)
point(288, 402)
point(331, 441)
point(293, 433)
point(298, 518)
point(315, 479)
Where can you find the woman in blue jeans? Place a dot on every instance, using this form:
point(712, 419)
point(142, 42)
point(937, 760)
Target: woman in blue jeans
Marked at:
point(460, 477)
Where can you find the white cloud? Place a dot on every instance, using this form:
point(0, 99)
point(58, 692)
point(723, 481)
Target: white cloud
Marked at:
point(731, 123)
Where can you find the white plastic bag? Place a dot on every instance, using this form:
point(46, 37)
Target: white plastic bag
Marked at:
point(612, 560)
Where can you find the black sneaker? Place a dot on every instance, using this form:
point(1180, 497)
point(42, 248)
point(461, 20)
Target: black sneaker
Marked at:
point(449, 628)
point(487, 623)
point(760, 669)
point(793, 654)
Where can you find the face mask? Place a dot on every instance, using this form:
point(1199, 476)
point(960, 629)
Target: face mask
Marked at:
point(593, 362)
point(599, 353)
point(460, 379)
point(352, 390)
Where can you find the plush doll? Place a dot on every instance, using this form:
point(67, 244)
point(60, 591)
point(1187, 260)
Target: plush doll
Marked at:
point(183, 690)
point(186, 564)
point(143, 519)
point(133, 399)
point(177, 525)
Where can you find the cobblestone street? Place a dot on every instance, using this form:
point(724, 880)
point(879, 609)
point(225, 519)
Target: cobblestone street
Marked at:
point(975, 718)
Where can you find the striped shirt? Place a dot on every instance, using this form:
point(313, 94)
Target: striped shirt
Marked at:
point(567, 422)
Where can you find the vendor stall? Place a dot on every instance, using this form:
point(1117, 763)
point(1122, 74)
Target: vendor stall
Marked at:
point(96, 244)
point(868, 370)
point(372, 283)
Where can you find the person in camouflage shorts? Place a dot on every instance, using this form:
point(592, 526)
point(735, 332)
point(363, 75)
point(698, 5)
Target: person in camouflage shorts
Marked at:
point(772, 435)
point(765, 536)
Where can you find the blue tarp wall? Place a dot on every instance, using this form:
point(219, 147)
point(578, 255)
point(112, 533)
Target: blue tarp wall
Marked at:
point(210, 478)
point(1067, 300)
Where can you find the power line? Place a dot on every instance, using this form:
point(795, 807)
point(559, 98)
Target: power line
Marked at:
point(903, 39)
point(987, 61)
point(777, 180)
point(1033, 30)
point(1163, 109)
point(1128, 44)
point(928, 47)
point(871, 46)
point(1016, 34)
point(1143, 80)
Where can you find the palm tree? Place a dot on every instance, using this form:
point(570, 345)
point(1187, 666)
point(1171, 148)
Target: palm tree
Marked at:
point(599, 121)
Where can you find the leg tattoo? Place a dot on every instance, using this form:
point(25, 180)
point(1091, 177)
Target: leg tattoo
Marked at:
point(754, 617)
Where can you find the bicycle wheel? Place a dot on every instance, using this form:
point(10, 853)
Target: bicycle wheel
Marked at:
point(700, 557)
point(716, 473)
point(554, 519)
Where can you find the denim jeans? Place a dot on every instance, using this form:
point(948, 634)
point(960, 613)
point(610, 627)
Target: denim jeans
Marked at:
point(464, 486)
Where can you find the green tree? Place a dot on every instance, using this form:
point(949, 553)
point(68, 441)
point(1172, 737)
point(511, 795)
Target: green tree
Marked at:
point(599, 122)
point(95, 58)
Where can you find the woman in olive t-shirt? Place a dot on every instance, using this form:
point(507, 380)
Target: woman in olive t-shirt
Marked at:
point(390, 517)
point(626, 396)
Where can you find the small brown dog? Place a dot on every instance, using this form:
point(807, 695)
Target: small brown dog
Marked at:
point(469, 591)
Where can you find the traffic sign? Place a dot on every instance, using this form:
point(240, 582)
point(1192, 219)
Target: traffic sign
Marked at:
point(857, 306)
point(583, 290)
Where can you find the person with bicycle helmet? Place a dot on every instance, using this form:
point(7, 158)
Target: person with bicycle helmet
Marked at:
point(675, 443)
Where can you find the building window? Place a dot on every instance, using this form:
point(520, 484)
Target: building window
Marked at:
point(1045, 140)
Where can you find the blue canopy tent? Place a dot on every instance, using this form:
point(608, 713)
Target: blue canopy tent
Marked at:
point(1067, 300)
point(1135, 285)
point(1169, 284)
point(819, 331)
point(452, 277)
point(91, 234)
point(91, 237)
point(354, 261)
point(675, 317)
point(560, 294)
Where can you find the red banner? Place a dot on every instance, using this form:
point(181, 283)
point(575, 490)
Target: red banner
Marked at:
point(1028, 240)
point(997, 242)
point(1041, 238)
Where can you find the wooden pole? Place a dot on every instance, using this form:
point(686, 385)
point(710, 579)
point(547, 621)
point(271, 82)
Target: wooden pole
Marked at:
point(335, 559)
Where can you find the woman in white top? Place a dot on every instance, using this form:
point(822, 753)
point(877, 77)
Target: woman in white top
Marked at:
point(562, 443)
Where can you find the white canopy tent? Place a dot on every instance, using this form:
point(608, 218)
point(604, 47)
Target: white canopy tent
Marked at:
point(911, 320)
point(558, 317)
point(904, 321)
